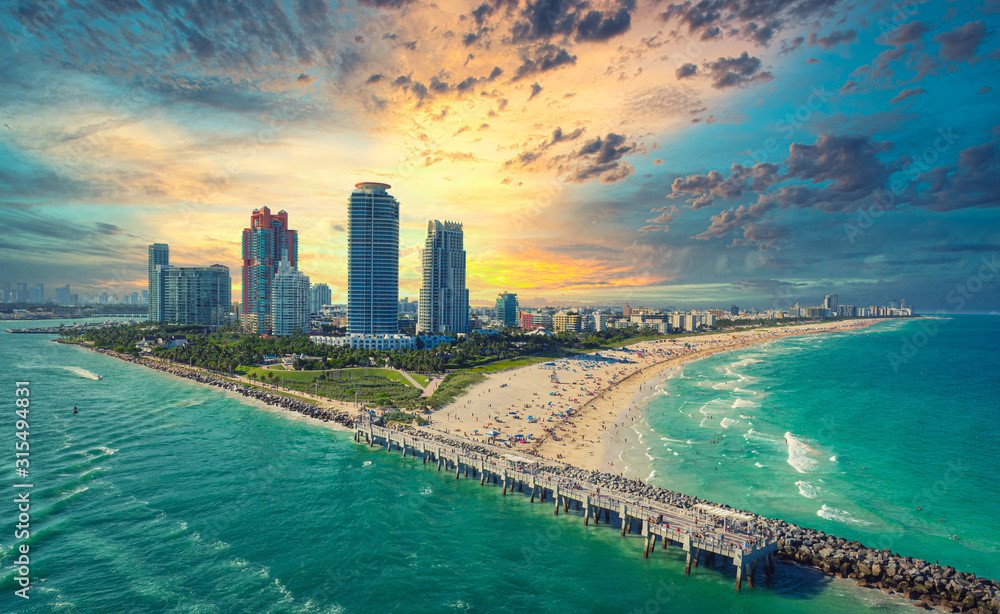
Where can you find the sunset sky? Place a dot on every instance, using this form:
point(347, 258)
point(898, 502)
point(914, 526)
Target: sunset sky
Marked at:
point(682, 154)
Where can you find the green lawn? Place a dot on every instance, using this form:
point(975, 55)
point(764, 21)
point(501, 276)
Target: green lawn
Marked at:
point(384, 387)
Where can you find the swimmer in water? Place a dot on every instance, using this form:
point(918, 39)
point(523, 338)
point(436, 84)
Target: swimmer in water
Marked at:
point(75, 411)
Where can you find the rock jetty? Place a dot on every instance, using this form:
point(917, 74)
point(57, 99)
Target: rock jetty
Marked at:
point(276, 400)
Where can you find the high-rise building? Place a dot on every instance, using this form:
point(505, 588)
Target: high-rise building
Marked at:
point(319, 295)
point(5, 296)
point(193, 295)
point(506, 309)
point(600, 321)
point(527, 320)
point(61, 295)
point(159, 255)
point(830, 301)
point(372, 260)
point(566, 322)
point(444, 299)
point(267, 238)
point(289, 300)
point(38, 293)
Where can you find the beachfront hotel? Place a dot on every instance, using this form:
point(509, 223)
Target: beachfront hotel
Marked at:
point(159, 255)
point(444, 299)
point(372, 260)
point(267, 238)
point(289, 300)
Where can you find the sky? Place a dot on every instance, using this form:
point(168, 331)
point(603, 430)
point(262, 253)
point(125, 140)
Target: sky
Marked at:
point(687, 154)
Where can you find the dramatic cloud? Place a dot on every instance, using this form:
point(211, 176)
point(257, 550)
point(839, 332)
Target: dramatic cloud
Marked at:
point(962, 44)
point(686, 70)
point(907, 33)
point(546, 19)
point(833, 39)
point(703, 190)
point(907, 94)
point(758, 21)
point(974, 181)
point(736, 72)
point(546, 57)
point(601, 157)
point(846, 169)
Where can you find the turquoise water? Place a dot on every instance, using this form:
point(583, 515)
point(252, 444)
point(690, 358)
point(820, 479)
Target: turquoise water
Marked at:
point(165, 496)
point(891, 444)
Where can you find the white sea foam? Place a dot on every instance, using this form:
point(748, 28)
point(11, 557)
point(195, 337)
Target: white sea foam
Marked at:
point(833, 458)
point(366, 464)
point(838, 515)
point(800, 455)
point(807, 490)
point(427, 491)
point(743, 404)
point(107, 450)
point(758, 465)
point(728, 422)
point(83, 373)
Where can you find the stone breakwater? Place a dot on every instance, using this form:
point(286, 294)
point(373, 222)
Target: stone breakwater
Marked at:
point(275, 400)
point(928, 585)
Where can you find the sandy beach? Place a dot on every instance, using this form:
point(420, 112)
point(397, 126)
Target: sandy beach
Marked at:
point(575, 409)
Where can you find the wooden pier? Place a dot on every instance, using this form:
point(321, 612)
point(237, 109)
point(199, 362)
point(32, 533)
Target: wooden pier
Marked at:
point(706, 533)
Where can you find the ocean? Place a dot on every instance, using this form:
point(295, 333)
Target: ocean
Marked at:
point(162, 495)
point(886, 435)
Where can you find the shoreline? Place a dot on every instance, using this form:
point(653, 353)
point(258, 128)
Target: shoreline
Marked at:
point(591, 397)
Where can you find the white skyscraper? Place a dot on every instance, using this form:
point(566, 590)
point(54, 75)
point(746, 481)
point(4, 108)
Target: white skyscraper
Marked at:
point(289, 300)
point(372, 260)
point(444, 299)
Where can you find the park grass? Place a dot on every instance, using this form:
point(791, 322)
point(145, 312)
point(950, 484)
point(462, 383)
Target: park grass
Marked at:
point(308, 377)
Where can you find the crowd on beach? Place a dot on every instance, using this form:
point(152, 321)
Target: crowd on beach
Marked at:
point(543, 404)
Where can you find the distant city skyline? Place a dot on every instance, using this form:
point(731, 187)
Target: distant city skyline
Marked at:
point(634, 154)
